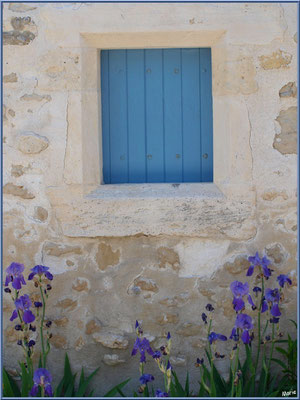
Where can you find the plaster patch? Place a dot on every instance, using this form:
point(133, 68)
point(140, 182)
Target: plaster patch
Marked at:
point(200, 258)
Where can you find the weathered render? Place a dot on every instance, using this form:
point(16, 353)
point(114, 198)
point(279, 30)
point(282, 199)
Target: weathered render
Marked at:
point(156, 253)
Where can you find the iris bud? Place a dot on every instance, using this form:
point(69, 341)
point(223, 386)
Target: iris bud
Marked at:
point(7, 290)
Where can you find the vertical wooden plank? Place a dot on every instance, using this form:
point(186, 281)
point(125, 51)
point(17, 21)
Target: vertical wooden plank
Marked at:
point(206, 115)
point(118, 116)
point(172, 115)
point(154, 116)
point(136, 116)
point(105, 115)
point(191, 115)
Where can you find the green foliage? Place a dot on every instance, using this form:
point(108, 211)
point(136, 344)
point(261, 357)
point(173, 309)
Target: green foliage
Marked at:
point(67, 386)
point(288, 366)
point(117, 389)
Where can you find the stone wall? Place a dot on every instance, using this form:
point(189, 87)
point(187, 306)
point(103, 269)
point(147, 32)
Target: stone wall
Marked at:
point(156, 255)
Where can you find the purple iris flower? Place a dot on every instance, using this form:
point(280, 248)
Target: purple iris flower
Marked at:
point(168, 336)
point(40, 270)
point(23, 304)
point(256, 261)
point(141, 346)
point(275, 310)
point(273, 295)
point(159, 393)
point(239, 289)
point(282, 279)
point(15, 276)
point(264, 306)
point(238, 304)
point(250, 301)
point(212, 337)
point(43, 378)
point(244, 322)
point(157, 355)
point(256, 289)
point(274, 320)
point(145, 378)
point(234, 335)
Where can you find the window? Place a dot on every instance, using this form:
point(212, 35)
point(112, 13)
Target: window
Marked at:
point(157, 115)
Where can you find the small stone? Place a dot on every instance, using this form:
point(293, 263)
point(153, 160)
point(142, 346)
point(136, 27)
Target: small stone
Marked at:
point(276, 60)
point(112, 359)
point(11, 113)
point(36, 97)
point(146, 284)
point(238, 265)
point(67, 304)
point(111, 340)
point(106, 257)
point(296, 38)
point(20, 7)
point(11, 335)
point(277, 253)
point(58, 341)
point(189, 329)
point(286, 141)
point(92, 327)
point(18, 23)
point(168, 257)
point(31, 143)
point(69, 263)
point(175, 301)
point(288, 90)
point(81, 284)
point(18, 38)
point(58, 250)
point(179, 361)
point(273, 194)
point(40, 213)
point(17, 170)
point(79, 343)
point(167, 319)
point(63, 321)
point(11, 78)
point(18, 191)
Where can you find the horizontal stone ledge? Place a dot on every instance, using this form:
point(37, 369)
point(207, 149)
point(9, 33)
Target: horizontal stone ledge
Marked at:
point(199, 210)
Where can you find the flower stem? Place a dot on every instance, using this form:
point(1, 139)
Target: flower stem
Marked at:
point(272, 347)
point(42, 328)
point(258, 323)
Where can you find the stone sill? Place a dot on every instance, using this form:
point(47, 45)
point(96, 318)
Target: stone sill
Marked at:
point(157, 191)
point(187, 209)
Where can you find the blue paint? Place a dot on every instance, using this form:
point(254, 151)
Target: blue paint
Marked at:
point(157, 115)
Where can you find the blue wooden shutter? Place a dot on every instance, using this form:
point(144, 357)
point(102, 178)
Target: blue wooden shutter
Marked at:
point(157, 115)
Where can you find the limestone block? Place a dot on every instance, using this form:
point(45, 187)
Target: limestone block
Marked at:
point(176, 301)
point(239, 265)
point(59, 341)
point(179, 361)
point(17, 190)
point(167, 318)
point(168, 257)
point(21, 7)
point(277, 253)
point(79, 343)
point(36, 97)
point(106, 257)
point(18, 38)
point(112, 359)
point(278, 59)
point(286, 141)
point(200, 258)
point(111, 340)
point(92, 326)
point(32, 143)
point(67, 303)
point(146, 284)
point(40, 214)
point(81, 284)
point(288, 90)
point(189, 329)
point(19, 23)
point(10, 78)
point(59, 249)
point(61, 322)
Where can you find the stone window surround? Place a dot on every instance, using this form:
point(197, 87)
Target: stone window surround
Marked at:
point(91, 209)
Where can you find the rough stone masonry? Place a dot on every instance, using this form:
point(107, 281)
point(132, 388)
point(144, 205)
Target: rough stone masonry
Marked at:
point(156, 255)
